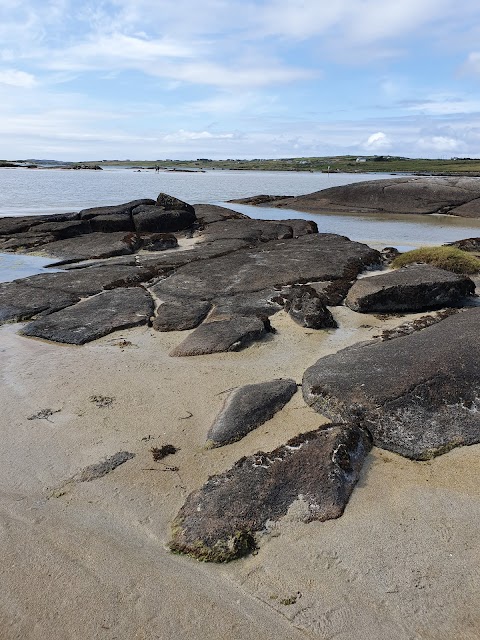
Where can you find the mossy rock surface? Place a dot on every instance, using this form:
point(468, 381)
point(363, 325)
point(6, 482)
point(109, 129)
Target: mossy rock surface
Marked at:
point(222, 520)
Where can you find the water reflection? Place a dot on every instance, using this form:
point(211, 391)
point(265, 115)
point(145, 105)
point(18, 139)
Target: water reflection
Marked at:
point(403, 231)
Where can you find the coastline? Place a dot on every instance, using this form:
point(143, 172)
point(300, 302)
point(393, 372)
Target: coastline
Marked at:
point(87, 556)
point(384, 569)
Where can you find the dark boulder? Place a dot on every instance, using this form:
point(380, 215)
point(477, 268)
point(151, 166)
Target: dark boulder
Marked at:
point(413, 288)
point(173, 204)
point(19, 301)
point(219, 522)
point(95, 317)
point(306, 307)
point(63, 230)
point(246, 408)
point(301, 227)
point(418, 395)
point(118, 209)
point(112, 222)
point(25, 241)
point(49, 292)
point(179, 316)
point(13, 225)
point(262, 304)
point(260, 200)
point(156, 219)
point(228, 334)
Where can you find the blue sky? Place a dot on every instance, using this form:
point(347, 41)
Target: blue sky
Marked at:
point(152, 79)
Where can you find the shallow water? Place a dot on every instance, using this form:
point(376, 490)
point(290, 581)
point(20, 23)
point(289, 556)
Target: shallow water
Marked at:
point(34, 192)
point(402, 231)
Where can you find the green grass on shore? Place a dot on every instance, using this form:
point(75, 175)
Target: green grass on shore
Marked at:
point(449, 258)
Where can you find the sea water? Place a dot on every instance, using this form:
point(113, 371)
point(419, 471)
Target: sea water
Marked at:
point(47, 191)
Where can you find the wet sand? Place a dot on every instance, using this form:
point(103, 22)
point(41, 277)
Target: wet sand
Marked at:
point(89, 560)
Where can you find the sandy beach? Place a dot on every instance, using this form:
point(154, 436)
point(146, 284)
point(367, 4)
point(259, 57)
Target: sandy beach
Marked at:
point(90, 559)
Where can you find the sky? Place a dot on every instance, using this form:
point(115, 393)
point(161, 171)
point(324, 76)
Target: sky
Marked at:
point(186, 79)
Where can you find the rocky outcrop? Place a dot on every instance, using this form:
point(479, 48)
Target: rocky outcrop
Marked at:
point(246, 408)
point(418, 395)
point(412, 288)
point(98, 232)
point(317, 471)
point(93, 318)
point(413, 194)
point(310, 258)
point(240, 272)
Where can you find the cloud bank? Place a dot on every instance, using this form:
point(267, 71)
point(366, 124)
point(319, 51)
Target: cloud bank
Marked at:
point(224, 78)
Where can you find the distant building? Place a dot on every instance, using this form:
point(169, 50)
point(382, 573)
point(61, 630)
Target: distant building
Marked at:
point(361, 160)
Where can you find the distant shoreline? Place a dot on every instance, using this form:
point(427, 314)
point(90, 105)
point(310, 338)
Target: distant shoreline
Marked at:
point(469, 167)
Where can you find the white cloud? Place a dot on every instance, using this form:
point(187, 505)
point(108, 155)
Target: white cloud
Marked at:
point(15, 78)
point(355, 22)
point(440, 105)
point(187, 136)
point(472, 64)
point(377, 142)
point(440, 144)
point(116, 51)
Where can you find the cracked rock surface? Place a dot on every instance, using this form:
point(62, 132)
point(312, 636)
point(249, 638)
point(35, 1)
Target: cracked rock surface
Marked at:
point(239, 272)
point(95, 317)
point(418, 395)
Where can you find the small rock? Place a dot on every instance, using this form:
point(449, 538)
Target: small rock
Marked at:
point(305, 306)
point(95, 471)
point(179, 316)
point(230, 334)
point(246, 408)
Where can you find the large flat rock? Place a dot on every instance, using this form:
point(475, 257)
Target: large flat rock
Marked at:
point(246, 408)
point(418, 395)
point(92, 246)
point(95, 317)
point(315, 257)
point(412, 288)
point(319, 469)
point(421, 195)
